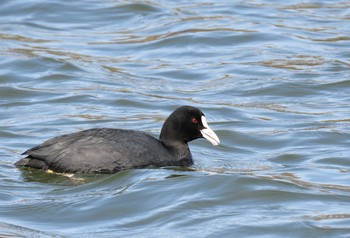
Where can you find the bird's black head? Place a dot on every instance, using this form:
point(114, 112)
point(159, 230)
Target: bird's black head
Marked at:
point(185, 124)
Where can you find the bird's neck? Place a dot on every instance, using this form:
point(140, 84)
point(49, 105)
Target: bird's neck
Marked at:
point(181, 151)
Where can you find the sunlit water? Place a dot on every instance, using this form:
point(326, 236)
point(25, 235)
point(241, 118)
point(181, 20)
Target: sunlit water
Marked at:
point(272, 77)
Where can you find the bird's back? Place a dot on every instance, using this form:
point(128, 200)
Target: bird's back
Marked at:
point(102, 150)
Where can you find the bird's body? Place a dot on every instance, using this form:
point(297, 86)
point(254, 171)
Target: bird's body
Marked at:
point(107, 150)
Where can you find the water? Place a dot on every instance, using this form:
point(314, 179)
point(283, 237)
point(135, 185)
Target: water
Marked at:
point(272, 77)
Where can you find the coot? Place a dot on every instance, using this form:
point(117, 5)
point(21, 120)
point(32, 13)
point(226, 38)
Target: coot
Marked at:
point(107, 150)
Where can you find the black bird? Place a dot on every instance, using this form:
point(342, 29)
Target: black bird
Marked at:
point(107, 150)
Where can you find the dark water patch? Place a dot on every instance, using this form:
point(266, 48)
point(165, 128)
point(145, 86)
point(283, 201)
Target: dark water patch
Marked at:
point(11, 230)
point(22, 38)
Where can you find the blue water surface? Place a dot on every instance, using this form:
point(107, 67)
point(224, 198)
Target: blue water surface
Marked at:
point(272, 77)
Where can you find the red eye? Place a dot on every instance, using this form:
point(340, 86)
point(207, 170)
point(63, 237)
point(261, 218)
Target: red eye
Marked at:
point(194, 120)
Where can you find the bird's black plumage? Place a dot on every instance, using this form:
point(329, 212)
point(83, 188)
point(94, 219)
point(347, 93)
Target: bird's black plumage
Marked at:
point(107, 150)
